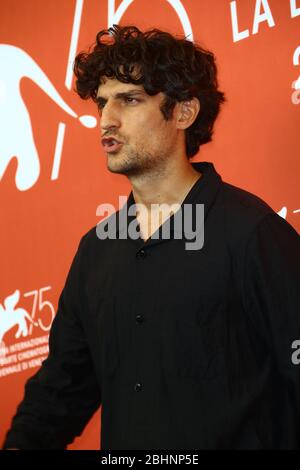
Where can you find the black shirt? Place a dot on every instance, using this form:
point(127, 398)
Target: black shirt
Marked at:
point(184, 349)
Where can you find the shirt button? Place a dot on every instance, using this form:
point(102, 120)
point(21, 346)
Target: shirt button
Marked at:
point(139, 318)
point(138, 387)
point(141, 254)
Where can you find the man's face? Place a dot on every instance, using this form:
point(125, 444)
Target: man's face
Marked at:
point(145, 140)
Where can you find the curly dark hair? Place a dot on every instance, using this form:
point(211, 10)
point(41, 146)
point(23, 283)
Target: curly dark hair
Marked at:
point(177, 67)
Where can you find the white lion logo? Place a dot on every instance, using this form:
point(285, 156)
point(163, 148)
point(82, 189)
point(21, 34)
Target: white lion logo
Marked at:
point(17, 139)
point(11, 316)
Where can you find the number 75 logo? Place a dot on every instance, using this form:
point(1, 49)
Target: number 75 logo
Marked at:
point(40, 305)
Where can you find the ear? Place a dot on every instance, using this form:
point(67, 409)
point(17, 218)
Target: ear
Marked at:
point(187, 113)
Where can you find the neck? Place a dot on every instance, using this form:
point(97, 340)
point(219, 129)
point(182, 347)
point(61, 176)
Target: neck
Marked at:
point(169, 185)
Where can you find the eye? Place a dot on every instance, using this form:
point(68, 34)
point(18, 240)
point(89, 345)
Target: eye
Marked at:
point(130, 100)
point(100, 102)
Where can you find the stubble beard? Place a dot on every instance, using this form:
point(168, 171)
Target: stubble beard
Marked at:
point(137, 162)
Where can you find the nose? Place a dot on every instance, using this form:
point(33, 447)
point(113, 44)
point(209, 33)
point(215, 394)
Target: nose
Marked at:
point(110, 117)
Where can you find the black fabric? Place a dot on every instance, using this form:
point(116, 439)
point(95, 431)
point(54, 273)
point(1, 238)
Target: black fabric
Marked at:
point(184, 349)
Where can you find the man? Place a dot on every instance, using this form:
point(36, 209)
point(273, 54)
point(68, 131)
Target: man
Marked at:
point(185, 346)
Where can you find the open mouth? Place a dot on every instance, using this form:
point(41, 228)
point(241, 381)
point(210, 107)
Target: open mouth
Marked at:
point(110, 144)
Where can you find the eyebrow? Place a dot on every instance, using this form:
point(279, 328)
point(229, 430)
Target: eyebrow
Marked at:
point(121, 95)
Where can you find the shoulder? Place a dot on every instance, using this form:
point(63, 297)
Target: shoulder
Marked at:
point(241, 211)
point(244, 205)
point(246, 215)
point(96, 237)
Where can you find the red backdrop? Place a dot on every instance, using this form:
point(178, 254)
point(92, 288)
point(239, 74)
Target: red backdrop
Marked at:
point(53, 171)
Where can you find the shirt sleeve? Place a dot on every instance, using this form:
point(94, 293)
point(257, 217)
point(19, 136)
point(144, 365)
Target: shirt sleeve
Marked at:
point(62, 396)
point(271, 293)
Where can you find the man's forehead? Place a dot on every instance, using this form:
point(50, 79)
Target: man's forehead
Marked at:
point(113, 86)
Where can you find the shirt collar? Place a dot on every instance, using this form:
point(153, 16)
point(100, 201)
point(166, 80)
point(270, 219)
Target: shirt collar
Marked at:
point(203, 191)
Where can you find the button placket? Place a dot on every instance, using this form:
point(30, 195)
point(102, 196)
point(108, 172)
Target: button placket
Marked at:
point(141, 254)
